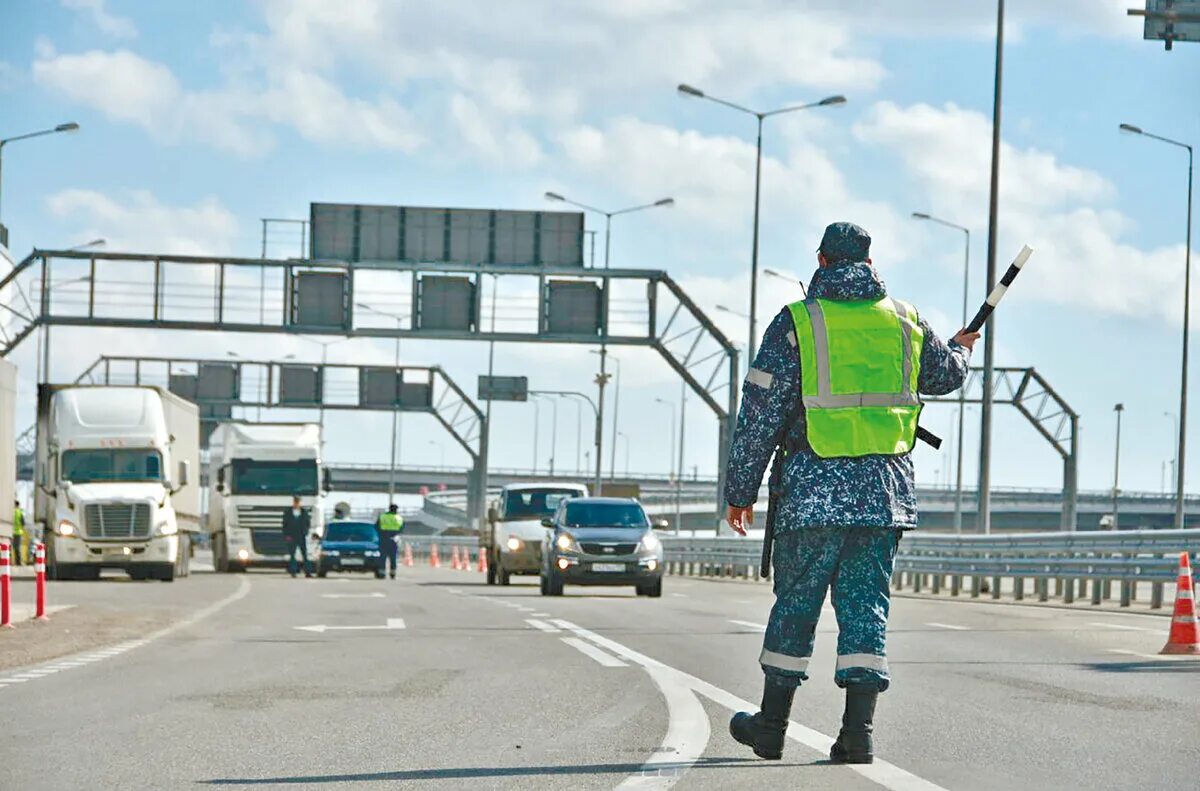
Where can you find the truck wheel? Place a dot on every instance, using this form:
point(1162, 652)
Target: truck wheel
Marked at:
point(491, 570)
point(502, 576)
point(137, 574)
point(167, 573)
point(220, 555)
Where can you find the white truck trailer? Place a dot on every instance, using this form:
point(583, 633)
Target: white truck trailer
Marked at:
point(254, 471)
point(117, 480)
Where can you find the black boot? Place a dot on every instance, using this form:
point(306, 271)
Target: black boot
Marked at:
point(765, 731)
point(853, 745)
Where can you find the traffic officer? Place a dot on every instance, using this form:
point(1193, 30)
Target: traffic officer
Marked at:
point(389, 525)
point(297, 522)
point(834, 388)
point(20, 539)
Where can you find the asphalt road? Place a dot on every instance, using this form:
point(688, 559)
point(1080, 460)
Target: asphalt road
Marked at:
point(439, 681)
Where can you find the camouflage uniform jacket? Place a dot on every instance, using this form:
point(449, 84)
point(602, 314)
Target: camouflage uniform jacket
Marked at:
point(867, 491)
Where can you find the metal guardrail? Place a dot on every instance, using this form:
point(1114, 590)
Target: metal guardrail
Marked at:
point(1072, 560)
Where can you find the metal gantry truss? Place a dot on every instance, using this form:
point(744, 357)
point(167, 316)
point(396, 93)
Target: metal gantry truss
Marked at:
point(1046, 411)
point(632, 307)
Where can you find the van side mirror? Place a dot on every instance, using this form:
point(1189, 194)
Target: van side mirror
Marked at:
point(493, 514)
point(221, 480)
point(185, 473)
point(326, 480)
point(548, 523)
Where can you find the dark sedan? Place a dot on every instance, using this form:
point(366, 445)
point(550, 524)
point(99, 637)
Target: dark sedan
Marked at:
point(601, 541)
point(350, 546)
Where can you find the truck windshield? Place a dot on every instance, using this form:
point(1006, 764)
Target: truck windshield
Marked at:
point(585, 514)
point(87, 466)
point(535, 503)
point(274, 477)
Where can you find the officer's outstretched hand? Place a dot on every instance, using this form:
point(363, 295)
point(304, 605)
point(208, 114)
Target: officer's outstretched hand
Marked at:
point(964, 338)
point(740, 518)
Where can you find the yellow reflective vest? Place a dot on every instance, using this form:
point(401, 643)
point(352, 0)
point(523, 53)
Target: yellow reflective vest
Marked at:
point(390, 523)
point(860, 363)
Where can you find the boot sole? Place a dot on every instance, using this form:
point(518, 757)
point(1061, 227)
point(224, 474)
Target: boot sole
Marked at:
point(853, 759)
point(766, 756)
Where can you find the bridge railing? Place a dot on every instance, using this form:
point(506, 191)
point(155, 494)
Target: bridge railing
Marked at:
point(1068, 563)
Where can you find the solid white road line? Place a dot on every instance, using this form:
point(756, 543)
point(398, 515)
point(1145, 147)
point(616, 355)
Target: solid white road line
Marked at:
point(353, 595)
point(950, 626)
point(1119, 626)
point(762, 627)
point(593, 652)
point(78, 660)
point(686, 739)
point(392, 623)
point(539, 614)
point(1156, 657)
point(545, 627)
point(885, 774)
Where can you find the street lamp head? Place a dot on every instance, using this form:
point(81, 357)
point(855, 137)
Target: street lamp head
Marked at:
point(67, 127)
point(1119, 408)
point(920, 215)
point(1131, 129)
point(688, 90)
point(665, 202)
point(554, 196)
point(831, 100)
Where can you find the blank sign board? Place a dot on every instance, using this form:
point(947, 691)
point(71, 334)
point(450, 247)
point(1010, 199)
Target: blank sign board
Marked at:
point(183, 385)
point(217, 382)
point(573, 307)
point(353, 232)
point(319, 299)
point(300, 385)
point(383, 388)
point(446, 303)
point(503, 388)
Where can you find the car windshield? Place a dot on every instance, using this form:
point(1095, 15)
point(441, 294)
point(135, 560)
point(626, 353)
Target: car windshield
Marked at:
point(351, 531)
point(590, 514)
point(274, 477)
point(535, 503)
point(85, 466)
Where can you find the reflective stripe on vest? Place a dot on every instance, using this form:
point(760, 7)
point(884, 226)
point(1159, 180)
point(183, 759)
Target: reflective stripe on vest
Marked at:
point(390, 523)
point(860, 364)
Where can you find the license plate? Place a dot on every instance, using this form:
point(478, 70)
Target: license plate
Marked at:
point(352, 561)
point(617, 567)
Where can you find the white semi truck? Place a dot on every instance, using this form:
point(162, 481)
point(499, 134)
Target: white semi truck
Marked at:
point(117, 480)
point(254, 471)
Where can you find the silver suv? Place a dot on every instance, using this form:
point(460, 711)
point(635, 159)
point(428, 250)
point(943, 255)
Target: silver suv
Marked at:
point(601, 541)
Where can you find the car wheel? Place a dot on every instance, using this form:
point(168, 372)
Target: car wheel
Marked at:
point(502, 576)
point(554, 585)
point(379, 574)
point(491, 569)
point(653, 590)
point(542, 586)
point(322, 573)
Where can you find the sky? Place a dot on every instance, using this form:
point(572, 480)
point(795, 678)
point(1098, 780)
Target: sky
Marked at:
point(197, 120)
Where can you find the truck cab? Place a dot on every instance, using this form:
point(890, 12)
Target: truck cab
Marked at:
point(515, 531)
point(257, 468)
point(116, 485)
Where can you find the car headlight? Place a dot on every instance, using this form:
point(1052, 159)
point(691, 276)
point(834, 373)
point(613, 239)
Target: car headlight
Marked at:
point(67, 528)
point(166, 529)
point(566, 542)
point(513, 543)
point(333, 553)
point(650, 543)
point(371, 553)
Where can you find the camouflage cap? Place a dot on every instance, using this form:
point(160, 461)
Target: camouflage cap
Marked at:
point(845, 241)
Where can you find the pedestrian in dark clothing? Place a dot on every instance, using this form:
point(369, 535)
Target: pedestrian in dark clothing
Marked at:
point(297, 522)
point(389, 525)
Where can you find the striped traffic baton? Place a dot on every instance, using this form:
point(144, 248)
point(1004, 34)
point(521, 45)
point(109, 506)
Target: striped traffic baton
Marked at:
point(5, 588)
point(39, 569)
point(997, 294)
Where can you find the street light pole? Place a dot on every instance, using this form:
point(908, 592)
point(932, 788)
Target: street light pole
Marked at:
point(1180, 454)
point(1119, 408)
point(688, 90)
point(962, 392)
point(989, 338)
point(67, 127)
point(1174, 445)
point(677, 473)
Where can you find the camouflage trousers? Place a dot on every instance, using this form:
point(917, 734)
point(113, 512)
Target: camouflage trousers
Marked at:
point(855, 563)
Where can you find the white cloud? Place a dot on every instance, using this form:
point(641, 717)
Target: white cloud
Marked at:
point(1060, 210)
point(493, 139)
point(138, 221)
point(110, 24)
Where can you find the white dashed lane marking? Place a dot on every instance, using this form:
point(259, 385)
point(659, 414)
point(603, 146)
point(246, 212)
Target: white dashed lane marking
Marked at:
point(1120, 626)
point(595, 653)
point(545, 627)
point(951, 626)
point(762, 627)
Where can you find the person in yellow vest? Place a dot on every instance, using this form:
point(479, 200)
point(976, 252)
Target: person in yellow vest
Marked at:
point(834, 395)
point(389, 525)
point(20, 540)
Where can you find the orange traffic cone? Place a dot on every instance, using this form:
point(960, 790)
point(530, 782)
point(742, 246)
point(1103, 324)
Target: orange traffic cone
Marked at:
point(482, 562)
point(408, 558)
point(434, 560)
point(454, 558)
point(1185, 631)
point(466, 559)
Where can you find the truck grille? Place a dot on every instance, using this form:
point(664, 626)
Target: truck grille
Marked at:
point(258, 517)
point(117, 520)
point(268, 542)
point(607, 548)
